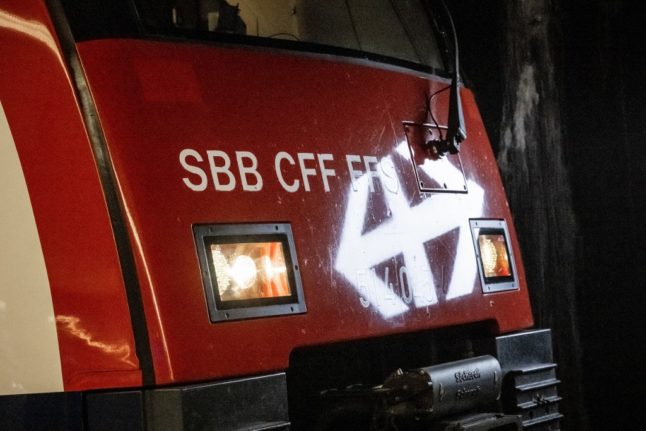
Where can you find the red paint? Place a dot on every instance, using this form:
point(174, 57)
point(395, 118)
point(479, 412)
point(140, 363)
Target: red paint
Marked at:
point(94, 329)
point(228, 99)
point(266, 101)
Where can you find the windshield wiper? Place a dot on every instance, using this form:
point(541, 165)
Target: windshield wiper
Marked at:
point(456, 130)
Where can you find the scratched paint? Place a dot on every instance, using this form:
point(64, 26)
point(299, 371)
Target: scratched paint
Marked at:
point(403, 234)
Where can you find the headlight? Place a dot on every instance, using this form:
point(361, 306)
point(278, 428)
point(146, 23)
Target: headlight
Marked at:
point(494, 255)
point(249, 270)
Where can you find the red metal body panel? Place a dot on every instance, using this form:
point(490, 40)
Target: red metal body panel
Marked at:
point(94, 329)
point(156, 99)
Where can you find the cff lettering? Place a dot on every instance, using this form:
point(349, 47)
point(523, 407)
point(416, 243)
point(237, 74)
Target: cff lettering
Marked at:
point(303, 171)
point(295, 173)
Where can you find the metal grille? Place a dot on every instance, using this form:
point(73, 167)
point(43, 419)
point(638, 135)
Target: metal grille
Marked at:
point(532, 393)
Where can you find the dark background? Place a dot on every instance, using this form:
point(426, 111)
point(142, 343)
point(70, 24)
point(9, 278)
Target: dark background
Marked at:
point(578, 191)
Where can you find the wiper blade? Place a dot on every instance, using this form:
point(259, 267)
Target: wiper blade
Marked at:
point(456, 130)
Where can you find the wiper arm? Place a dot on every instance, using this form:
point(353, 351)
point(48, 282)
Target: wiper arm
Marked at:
point(456, 130)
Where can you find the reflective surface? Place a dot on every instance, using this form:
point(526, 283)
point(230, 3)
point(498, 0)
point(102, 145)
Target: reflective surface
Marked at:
point(198, 136)
point(322, 145)
point(95, 346)
point(388, 30)
point(29, 354)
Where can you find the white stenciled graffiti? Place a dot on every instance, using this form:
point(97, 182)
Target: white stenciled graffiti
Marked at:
point(404, 233)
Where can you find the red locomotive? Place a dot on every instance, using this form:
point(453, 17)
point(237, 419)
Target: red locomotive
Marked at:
point(260, 215)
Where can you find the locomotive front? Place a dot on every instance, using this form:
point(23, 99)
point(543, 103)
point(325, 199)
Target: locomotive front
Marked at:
point(265, 215)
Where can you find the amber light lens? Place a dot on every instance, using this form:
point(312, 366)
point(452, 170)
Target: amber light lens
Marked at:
point(253, 270)
point(494, 255)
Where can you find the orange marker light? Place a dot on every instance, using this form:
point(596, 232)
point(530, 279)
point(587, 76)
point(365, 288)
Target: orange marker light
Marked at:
point(494, 255)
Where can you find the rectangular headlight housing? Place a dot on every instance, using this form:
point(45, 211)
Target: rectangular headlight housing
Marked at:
point(494, 255)
point(249, 270)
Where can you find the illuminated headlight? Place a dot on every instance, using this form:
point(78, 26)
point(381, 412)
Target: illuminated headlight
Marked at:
point(249, 270)
point(494, 255)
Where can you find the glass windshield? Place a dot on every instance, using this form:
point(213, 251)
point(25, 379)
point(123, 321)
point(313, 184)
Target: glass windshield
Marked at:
point(392, 29)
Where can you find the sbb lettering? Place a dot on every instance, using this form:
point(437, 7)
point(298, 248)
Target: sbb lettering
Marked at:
point(248, 167)
point(183, 156)
point(219, 167)
point(219, 171)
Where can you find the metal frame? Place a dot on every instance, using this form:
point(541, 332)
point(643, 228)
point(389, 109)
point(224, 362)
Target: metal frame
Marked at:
point(501, 286)
point(217, 313)
point(444, 159)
